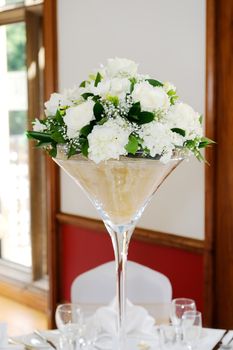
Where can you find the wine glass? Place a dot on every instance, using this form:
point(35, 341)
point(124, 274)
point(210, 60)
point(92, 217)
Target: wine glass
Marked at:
point(167, 337)
point(191, 328)
point(178, 307)
point(69, 321)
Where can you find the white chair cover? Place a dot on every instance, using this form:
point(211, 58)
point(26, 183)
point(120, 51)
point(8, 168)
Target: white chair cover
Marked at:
point(144, 285)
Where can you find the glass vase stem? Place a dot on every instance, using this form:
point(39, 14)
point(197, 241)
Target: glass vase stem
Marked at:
point(120, 240)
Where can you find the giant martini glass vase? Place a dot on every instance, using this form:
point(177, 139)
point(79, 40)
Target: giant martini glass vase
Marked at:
point(120, 190)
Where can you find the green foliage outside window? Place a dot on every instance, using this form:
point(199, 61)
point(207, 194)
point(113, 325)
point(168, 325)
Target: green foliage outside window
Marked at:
point(16, 42)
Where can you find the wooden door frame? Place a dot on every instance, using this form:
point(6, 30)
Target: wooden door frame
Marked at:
point(219, 177)
point(53, 181)
point(218, 120)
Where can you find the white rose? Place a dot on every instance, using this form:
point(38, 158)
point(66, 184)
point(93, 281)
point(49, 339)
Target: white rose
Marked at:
point(77, 117)
point(38, 126)
point(121, 67)
point(151, 98)
point(102, 89)
point(73, 94)
point(158, 139)
point(113, 87)
point(119, 87)
point(184, 117)
point(56, 100)
point(108, 141)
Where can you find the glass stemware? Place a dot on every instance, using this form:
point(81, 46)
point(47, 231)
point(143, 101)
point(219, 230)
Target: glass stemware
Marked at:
point(120, 190)
point(69, 321)
point(191, 328)
point(178, 307)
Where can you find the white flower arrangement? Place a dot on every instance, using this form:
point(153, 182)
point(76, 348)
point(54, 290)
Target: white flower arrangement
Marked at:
point(119, 112)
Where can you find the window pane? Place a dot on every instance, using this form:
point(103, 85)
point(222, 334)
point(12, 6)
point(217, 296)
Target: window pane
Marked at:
point(10, 2)
point(14, 175)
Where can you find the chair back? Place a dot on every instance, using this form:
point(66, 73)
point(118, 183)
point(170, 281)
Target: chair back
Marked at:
point(144, 285)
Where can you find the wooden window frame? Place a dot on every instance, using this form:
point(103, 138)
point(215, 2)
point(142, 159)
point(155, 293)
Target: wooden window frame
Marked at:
point(18, 282)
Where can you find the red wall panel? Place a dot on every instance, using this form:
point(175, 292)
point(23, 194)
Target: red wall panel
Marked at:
point(83, 249)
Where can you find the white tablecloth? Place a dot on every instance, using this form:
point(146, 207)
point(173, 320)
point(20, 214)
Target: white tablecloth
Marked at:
point(208, 339)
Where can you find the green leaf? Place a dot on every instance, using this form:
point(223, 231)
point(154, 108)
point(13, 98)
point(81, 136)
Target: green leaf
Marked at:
point(84, 146)
point(171, 93)
point(40, 136)
point(145, 117)
point(173, 96)
point(133, 81)
point(205, 141)
point(98, 111)
point(132, 145)
point(201, 119)
point(134, 112)
point(86, 95)
point(83, 84)
point(53, 151)
point(57, 136)
point(154, 82)
point(97, 79)
point(179, 131)
point(85, 131)
point(59, 117)
point(96, 98)
point(102, 121)
point(72, 151)
point(173, 99)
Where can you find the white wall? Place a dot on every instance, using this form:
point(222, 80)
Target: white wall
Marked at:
point(167, 39)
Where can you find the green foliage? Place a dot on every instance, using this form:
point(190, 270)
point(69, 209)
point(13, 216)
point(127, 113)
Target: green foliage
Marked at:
point(86, 95)
point(83, 84)
point(72, 150)
point(205, 141)
point(17, 122)
point(154, 82)
point(132, 83)
point(16, 46)
point(114, 100)
point(173, 96)
point(137, 116)
point(98, 111)
point(134, 112)
point(84, 146)
point(97, 79)
point(145, 117)
point(179, 131)
point(132, 145)
point(85, 131)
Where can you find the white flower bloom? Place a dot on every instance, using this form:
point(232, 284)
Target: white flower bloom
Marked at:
point(77, 117)
point(73, 94)
point(38, 126)
point(158, 139)
point(108, 141)
point(121, 67)
point(119, 87)
point(183, 116)
point(169, 86)
point(114, 87)
point(151, 98)
point(54, 102)
point(102, 89)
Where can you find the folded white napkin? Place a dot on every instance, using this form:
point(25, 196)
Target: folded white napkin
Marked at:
point(138, 321)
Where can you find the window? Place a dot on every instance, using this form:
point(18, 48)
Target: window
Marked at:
point(14, 177)
point(23, 222)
